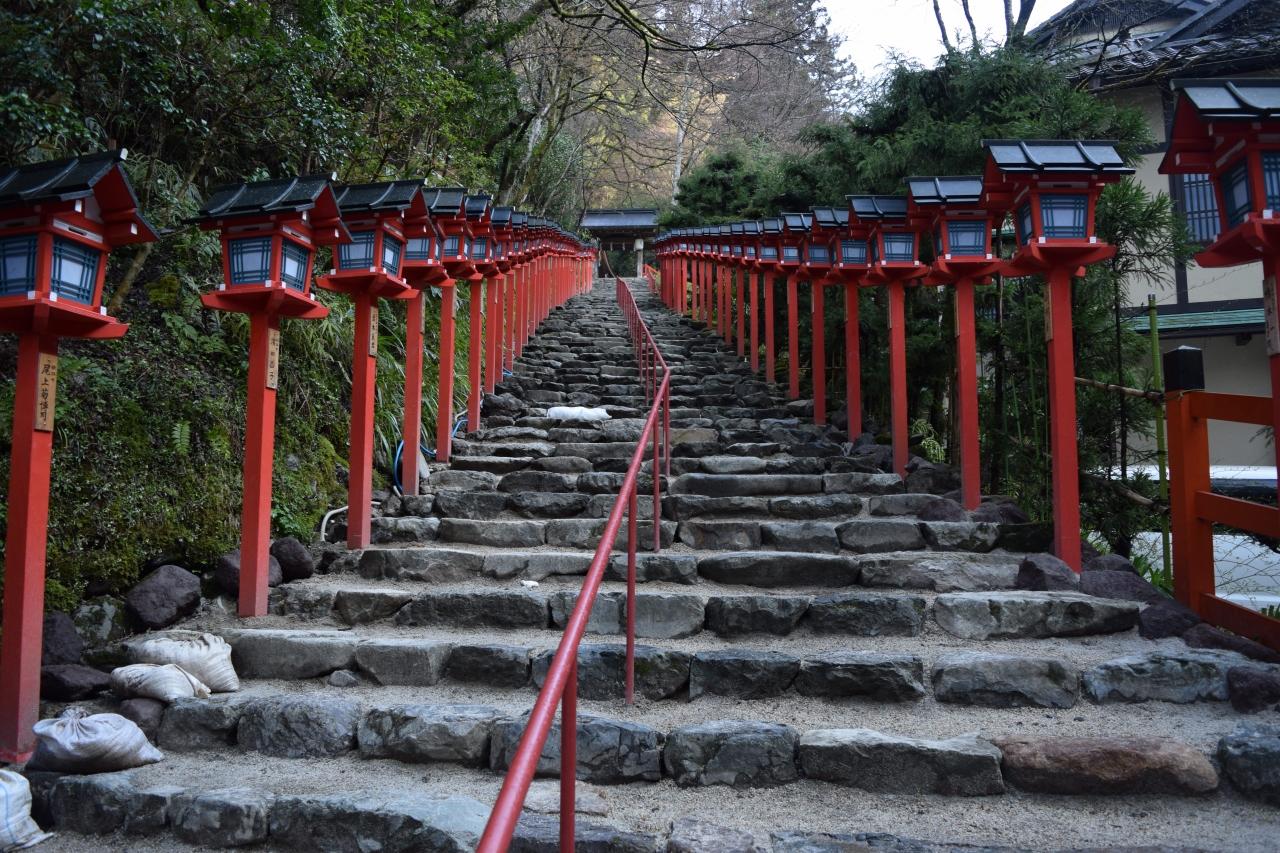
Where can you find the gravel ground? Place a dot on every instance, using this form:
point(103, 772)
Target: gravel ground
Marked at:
point(1221, 821)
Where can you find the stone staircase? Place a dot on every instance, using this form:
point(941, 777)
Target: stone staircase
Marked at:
point(831, 659)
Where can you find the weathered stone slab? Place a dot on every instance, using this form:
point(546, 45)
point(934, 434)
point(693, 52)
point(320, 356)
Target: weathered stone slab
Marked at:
point(975, 536)
point(741, 673)
point(398, 825)
point(200, 723)
point(436, 565)
point(476, 609)
point(607, 612)
point(939, 572)
point(675, 568)
point(716, 485)
point(360, 606)
point(809, 536)
point(499, 534)
point(494, 665)
point(877, 535)
point(660, 673)
point(426, 733)
point(736, 615)
point(741, 754)
point(415, 663)
point(867, 614)
point(704, 535)
point(229, 817)
point(299, 726)
point(1105, 765)
point(103, 803)
point(540, 833)
point(891, 677)
point(666, 616)
point(861, 758)
point(1185, 675)
point(690, 835)
point(609, 752)
point(286, 653)
point(779, 568)
point(862, 484)
point(815, 506)
point(1001, 615)
point(1005, 681)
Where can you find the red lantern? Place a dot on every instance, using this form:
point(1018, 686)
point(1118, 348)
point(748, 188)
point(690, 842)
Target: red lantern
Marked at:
point(59, 222)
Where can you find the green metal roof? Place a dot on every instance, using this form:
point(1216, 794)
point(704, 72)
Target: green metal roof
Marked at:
point(1200, 320)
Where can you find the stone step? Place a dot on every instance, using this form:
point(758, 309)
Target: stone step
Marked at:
point(306, 804)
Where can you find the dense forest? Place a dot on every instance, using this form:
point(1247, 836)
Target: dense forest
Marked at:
point(711, 111)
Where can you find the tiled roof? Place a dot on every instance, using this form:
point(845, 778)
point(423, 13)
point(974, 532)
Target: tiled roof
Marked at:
point(966, 189)
point(879, 206)
point(631, 218)
point(1208, 320)
point(1243, 98)
point(386, 195)
point(447, 200)
point(261, 197)
point(61, 180)
point(1055, 155)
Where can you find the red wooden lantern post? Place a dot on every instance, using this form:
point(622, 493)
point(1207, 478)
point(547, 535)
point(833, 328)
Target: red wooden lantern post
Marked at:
point(1051, 188)
point(724, 304)
point(852, 263)
point(451, 222)
point(770, 265)
point(795, 229)
point(367, 269)
point(895, 260)
point(740, 267)
point(479, 251)
point(270, 231)
point(520, 264)
point(58, 223)
point(951, 209)
point(1225, 133)
point(423, 271)
point(751, 264)
point(824, 226)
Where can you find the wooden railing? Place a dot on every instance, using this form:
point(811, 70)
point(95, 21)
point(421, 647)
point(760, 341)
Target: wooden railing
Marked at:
point(561, 684)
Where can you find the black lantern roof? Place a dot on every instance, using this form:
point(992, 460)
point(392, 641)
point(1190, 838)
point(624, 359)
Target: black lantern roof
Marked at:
point(383, 196)
point(1050, 155)
point(502, 217)
point(752, 227)
point(964, 189)
point(797, 221)
point(257, 198)
point(476, 206)
point(1243, 98)
point(723, 229)
point(736, 228)
point(881, 207)
point(831, 218)
point(519, 219)
point(447, 201)
point(772, 225)
point(58, 180)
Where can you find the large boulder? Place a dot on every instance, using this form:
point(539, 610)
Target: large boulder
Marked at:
point(227, 572)
point(1206, 636)
point(1126, 586)
point(101, 620)
point(1105, 765)
point(146, 714)
point(71, 682)
point(60, 642)
point(1250, 758)
point(741, 754)
point(1167, 618)
point(163, 597)
point(1254, 688)
point(1046, 572)
point(295, 559)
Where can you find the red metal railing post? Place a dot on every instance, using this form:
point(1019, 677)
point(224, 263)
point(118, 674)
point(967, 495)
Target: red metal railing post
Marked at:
point(632, 506)
point(569, 758)
point(657, 483)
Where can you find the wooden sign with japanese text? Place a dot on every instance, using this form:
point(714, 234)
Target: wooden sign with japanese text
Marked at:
point(46, 391)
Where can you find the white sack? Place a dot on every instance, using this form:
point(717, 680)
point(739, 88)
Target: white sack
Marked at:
point(577, 413)
point(205, 656)
point(98, 743)
point(17, 830)
point(163, 681)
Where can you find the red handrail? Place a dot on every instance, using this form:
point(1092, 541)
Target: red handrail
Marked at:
point(561, 683)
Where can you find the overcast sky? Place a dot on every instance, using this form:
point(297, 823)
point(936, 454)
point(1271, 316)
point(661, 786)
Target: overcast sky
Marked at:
point(872, 29)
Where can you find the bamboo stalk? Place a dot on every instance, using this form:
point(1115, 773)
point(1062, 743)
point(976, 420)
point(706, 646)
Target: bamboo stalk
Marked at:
point(1153, 396)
